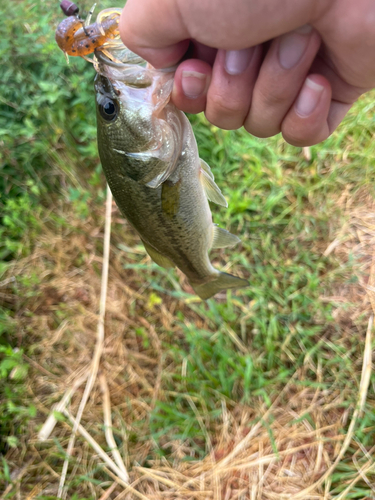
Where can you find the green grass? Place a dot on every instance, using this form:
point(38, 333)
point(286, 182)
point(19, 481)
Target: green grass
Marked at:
point(248, 344)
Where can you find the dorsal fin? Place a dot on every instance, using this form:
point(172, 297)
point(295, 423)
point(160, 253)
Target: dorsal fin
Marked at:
point(212, 191)
point(206, 168)
point(223, 238)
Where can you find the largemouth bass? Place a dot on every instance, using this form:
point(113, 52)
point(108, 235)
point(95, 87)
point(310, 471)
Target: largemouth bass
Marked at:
point(149, 155)
point(150, 158)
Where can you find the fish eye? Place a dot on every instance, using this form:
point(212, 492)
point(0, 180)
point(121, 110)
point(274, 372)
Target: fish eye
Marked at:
point(108, 109)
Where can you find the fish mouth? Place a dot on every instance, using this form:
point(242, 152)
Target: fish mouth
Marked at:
point(122, 56)
point(104, 86)
point(121, 66)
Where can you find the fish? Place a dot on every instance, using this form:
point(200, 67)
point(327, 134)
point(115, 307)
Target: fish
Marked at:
point(150, 156)
point(150, 159)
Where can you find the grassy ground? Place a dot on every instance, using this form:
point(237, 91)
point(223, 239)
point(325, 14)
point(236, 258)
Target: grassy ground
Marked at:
point(250, 395)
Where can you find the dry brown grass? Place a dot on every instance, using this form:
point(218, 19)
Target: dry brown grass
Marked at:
point(255, 452)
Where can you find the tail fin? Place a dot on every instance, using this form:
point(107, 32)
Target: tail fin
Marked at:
point(222, 281)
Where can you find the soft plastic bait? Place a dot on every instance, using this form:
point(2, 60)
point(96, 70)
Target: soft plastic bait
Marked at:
point(76, 37)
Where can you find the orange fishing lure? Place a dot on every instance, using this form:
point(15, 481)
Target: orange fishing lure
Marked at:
point(76, 37)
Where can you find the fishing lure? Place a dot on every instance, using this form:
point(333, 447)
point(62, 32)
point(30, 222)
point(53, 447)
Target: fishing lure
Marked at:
point(76, 37)
point(69, 8)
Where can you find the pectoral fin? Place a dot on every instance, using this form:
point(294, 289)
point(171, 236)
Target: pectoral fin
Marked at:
point(161, 158)
point(223, 238)
point(159, 166)
point(164, 167)
point(157, 257)
point(159, 179)
point(170, 198)
point(212, 191)
point(141, 156)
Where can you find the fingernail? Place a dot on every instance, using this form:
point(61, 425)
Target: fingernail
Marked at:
point(293, 45)
point(193, 83)
point(308, 98)
point(236, 61)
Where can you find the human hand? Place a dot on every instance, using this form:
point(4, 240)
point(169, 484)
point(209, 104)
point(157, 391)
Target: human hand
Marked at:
point(294, 66)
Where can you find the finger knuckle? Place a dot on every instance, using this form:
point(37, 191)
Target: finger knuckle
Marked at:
point(224, 105)
point(261, 126)
point(301, 138)
point(296, 136)
point(272, 97)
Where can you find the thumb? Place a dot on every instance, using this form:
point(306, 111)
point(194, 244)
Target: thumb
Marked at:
point(154, 30)
point(160, 30)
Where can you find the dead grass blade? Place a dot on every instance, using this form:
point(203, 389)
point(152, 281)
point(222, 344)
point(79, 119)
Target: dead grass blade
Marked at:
point(99, 341)
point(99, 450)
point(108, 427)
point(365, 380)
point(51, 421)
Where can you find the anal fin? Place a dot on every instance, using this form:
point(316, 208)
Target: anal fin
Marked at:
point(157, 257)
point(223, 238)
